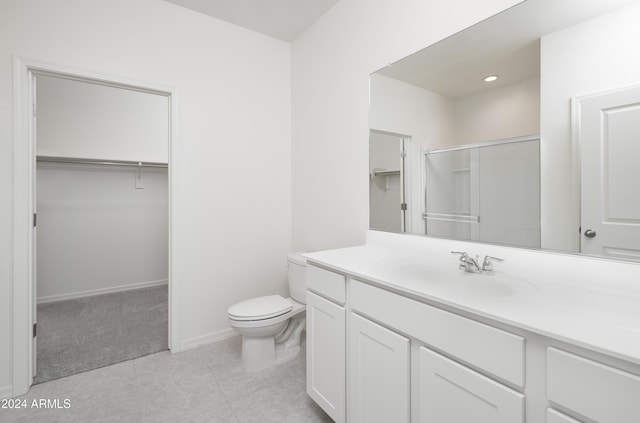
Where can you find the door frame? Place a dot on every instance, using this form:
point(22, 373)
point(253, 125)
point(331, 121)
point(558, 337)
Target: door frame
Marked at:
point(24, 202)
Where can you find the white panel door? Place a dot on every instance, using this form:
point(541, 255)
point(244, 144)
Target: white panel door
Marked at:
point(609, 139)
point(379, 374)
point(452, 393)
point(326, 355)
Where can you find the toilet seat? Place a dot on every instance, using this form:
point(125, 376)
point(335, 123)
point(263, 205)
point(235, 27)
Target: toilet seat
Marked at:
point(260, 308)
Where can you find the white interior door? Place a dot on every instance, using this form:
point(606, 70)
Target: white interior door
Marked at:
point(609, 140)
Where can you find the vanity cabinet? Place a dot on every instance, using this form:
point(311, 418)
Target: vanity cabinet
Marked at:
point(326, 337)
point(380, 353)
point(447, 391)
point(379, 373)
point(494, 351)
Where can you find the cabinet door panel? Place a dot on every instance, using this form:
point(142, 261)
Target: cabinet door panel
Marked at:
point(452, 393)
point(379, 374)
point(326, 355)
point(491, 349)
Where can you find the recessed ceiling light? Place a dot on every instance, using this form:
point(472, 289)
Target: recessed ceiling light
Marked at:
point(490, 78)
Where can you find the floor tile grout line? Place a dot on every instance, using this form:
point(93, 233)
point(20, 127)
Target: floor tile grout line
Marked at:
point(227, 354)
point(233, 411)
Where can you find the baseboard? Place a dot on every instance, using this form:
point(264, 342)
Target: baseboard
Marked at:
point(6, 392)
point(80, 294)
point(188, 344)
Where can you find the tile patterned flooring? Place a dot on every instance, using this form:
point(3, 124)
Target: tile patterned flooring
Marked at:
point(205, 384)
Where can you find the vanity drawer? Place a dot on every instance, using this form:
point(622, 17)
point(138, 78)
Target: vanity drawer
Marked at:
point(493, 350)
point(594, 390)
point(326, 283)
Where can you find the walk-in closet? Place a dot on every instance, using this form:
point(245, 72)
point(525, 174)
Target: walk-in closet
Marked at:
point(101, 218)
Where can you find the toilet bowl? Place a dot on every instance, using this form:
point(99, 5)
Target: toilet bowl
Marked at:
point(271, 326)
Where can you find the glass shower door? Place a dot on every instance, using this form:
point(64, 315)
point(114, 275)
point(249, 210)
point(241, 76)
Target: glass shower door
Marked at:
point(488, 193)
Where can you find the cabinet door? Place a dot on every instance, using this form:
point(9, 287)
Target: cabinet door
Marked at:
point(452, 393)
point(326, 355)
point(379, 374)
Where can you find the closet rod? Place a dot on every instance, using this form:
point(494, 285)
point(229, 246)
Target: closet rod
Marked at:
point(52, 159)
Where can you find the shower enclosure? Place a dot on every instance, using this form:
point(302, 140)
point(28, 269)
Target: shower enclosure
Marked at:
point(486, 192)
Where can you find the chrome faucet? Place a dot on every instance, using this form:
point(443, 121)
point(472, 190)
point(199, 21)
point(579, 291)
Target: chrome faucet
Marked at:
point(470, 264)
point(487, 264)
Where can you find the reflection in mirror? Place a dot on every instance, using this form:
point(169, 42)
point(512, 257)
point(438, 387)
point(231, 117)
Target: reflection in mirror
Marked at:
point(386, 182)
point(551, 58)
point(487, 193)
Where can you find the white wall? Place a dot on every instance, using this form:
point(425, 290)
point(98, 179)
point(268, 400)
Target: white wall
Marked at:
point(435, 121)
point(506, 112)
point(232, 227)
point(92, 121)
point(332, 61)
point(575, 61)
point(96, 232)
point(426, 117)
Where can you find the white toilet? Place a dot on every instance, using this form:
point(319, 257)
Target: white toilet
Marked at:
point(271, 326)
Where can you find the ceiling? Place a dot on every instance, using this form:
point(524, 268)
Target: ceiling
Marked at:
point(282, 19)
point(506, 45)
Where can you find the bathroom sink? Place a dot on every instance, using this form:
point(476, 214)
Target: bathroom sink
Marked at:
point(436, 279)
point(498, 285)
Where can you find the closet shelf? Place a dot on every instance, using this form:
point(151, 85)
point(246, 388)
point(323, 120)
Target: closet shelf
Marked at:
point(74, 160)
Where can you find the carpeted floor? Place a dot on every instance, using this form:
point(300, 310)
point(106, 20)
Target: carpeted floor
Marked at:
point(91, 332)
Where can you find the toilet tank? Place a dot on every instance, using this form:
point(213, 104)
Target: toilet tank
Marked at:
point(297, 277)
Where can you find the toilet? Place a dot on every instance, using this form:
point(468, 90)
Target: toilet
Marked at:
point(271, 326)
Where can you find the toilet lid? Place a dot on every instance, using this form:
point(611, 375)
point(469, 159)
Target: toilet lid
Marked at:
point(260, 308)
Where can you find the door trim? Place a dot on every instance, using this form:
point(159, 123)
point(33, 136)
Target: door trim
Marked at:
point(23, 204)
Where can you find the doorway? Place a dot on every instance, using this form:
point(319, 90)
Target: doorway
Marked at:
point(101, 237)
point(25, 293)
point(387, 203)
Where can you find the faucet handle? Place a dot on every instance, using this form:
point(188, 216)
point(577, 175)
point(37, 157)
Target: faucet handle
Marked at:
point(463, 254)
point(489, 259)
point(487, 264)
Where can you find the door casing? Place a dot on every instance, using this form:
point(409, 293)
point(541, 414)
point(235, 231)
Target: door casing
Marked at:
point(23, 205)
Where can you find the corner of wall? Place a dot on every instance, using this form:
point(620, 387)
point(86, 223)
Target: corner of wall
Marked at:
point(210, 338)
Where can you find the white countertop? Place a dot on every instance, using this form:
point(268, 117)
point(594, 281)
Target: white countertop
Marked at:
point(589, 307)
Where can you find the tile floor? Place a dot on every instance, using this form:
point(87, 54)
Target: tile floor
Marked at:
point(205, 384)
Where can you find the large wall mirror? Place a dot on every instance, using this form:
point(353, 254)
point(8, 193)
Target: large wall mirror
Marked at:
point(543, 156)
